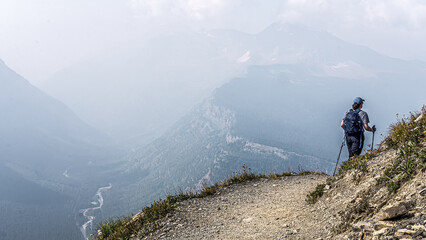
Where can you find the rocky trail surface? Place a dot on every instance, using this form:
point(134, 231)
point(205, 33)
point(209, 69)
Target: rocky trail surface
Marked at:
point(268, 208)
point(258, 209)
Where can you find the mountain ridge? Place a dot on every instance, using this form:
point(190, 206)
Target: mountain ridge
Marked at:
point(117, 89)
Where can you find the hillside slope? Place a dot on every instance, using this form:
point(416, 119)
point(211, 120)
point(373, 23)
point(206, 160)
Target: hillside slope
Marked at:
point(51, 163)
point(380, 195)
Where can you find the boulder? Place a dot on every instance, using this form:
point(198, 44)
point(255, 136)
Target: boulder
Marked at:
point(391, 212)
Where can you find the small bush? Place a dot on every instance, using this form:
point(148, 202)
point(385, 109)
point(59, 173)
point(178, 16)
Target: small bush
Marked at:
point(157, 210)
point(357, 162)
point(422, 159)
point(392, 186)
point(108, 228)
point(279, 175)
point(313, 197)
point(304, 173)
point(408, 137)
point(343, 225)
point(245, 174)
point(353, 211)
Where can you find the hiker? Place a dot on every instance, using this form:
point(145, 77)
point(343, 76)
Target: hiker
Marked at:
point(354, 122)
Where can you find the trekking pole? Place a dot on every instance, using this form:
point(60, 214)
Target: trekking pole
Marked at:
point(338, 158)
point(372, 141)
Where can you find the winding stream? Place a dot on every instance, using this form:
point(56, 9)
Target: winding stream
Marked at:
point(88, 213)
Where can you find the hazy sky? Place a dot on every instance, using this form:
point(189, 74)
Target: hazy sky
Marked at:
point(40, 37)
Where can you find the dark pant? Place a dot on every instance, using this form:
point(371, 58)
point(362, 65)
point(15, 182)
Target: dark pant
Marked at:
point(355, 142)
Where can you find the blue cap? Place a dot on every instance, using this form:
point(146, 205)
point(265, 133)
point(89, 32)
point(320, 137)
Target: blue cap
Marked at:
point(358, 100)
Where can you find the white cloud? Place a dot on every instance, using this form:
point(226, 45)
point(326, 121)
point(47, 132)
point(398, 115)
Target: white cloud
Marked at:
point(396, 13)
point(194, 9)
point(151, 7)
point(366, 13)
point(58, 33)
point(391, 27)
point(208, 8)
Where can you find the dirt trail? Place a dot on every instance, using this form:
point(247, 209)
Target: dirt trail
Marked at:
point(258, 209)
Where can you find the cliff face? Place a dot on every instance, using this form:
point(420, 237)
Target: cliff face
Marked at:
point(380, 195)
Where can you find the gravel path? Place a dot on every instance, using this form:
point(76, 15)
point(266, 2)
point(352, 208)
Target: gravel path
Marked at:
point(258, 209)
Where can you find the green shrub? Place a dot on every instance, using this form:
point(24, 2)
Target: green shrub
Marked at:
point(245, 174)
point(408, 137)
point(108, 228)
point(313, 197)
point(279, 175)
point(357, 162)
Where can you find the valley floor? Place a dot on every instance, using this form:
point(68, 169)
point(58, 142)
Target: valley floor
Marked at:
point(258, 209)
